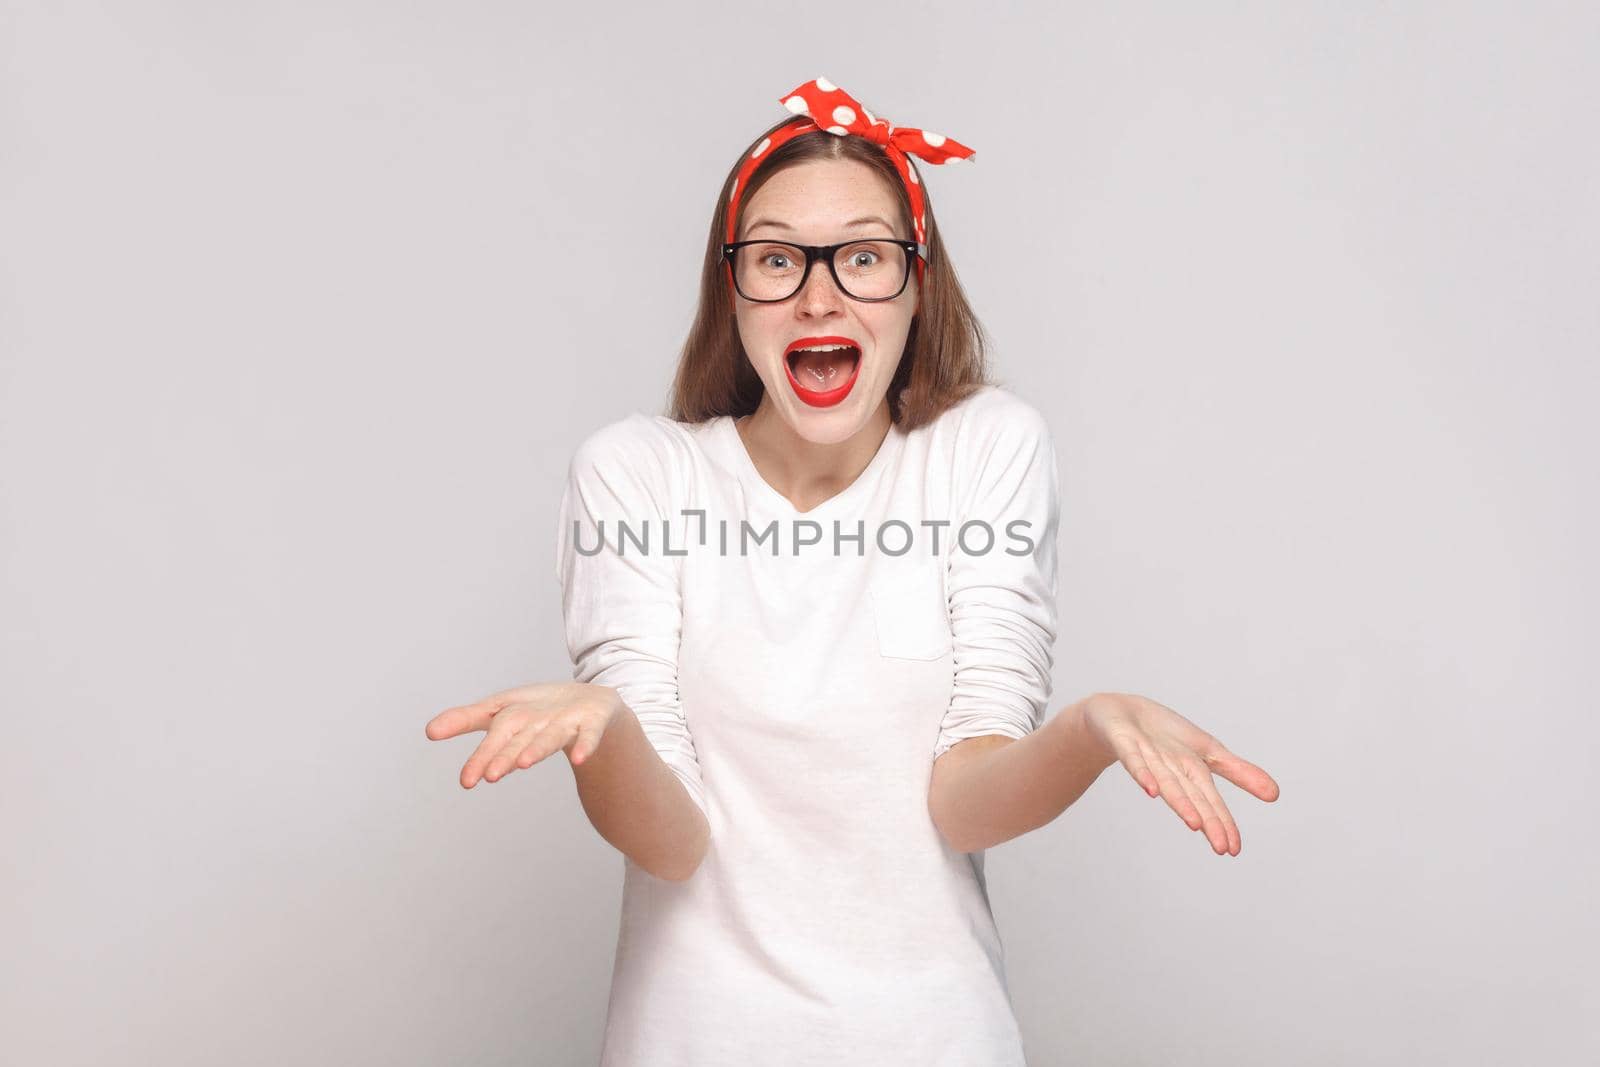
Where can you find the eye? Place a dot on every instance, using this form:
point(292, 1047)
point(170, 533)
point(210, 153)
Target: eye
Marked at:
point(770, 256)
point(855, 257)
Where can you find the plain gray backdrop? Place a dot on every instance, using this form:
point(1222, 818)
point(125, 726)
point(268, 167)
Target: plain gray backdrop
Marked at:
point(304, 308)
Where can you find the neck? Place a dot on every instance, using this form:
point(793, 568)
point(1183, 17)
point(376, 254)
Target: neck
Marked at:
point(803, 471)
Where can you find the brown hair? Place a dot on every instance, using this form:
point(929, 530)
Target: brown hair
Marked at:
point(945, 357)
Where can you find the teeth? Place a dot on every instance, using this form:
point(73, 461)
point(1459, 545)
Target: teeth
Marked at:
point(823, 348)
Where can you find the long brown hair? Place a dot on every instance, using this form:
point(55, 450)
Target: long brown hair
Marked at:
point(945, 357)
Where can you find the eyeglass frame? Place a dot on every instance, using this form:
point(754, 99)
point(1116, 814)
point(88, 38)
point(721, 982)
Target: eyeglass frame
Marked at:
point(816, 252)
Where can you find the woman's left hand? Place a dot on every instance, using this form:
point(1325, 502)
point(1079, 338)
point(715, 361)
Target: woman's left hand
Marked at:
point(1172, 758)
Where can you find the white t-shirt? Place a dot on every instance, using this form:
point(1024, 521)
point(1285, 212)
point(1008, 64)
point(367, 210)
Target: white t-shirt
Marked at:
point(799, 672)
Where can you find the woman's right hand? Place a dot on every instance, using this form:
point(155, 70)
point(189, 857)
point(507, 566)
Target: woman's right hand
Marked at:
point(525, 724)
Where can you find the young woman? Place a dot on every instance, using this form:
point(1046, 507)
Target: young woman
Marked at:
point(812, 615)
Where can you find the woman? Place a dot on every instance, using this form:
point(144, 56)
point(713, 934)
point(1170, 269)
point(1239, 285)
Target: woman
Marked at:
point(811, 616)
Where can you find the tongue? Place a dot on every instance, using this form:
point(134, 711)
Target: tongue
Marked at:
point(821, 371)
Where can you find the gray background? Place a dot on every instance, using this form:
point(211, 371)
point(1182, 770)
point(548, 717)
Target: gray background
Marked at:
point(304, 309)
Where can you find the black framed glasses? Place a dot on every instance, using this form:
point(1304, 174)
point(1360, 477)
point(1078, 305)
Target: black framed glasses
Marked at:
point(870, 269)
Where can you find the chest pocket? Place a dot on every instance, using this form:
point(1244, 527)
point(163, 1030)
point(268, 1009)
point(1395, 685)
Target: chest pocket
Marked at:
point(909, 612)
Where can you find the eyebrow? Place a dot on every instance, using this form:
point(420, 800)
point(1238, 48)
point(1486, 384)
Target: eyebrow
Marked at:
point(863, 221)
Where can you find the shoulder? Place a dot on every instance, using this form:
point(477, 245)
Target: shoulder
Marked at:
point(635, 438)
point(638, 453)
point(994, 445)
point(993, 418)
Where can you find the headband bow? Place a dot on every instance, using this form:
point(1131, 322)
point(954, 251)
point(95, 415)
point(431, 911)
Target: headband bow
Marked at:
point(823, 105)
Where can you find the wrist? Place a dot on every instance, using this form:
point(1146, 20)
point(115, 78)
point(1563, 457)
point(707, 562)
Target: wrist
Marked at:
point(1080, 730)
point(611, 700)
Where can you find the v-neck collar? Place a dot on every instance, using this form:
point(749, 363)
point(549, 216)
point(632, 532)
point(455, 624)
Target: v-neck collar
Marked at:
point(750, 475)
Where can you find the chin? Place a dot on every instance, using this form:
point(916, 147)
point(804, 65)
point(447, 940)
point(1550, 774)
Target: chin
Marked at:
point(832, 424)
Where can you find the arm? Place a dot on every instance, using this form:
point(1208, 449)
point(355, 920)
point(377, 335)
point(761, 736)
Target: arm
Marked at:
point(622, 613)
point(630, 794)
point(997, 769)
point(637, 804)
point(990, 789)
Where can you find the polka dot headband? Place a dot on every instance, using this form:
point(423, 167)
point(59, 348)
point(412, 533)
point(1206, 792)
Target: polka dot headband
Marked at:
point(823, 105)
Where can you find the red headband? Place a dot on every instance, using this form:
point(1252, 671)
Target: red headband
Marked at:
point(820, 100)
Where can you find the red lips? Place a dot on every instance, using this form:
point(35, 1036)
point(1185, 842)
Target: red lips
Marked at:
point(829, 397)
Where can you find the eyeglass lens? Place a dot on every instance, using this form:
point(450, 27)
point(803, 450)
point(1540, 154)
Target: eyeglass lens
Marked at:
point(868, 270)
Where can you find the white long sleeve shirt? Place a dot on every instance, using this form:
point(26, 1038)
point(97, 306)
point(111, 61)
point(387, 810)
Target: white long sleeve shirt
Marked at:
point(799, 673)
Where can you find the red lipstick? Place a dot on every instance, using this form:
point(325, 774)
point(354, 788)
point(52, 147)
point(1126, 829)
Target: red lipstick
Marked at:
point(822, 398)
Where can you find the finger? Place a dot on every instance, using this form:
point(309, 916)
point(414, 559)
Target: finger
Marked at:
point(500, 730)
point(1242, 773)
point(1200, 779)
point(463, 718)
point(1171, 791)
point(589, 733)
point(531, 752)
point(1128, 754)
point(549, 741)
point(509, 755)
point(1210, 823)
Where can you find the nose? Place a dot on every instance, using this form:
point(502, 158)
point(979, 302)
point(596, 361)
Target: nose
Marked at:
point(820, 296)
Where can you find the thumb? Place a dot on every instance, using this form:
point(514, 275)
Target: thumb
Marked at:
point(1246, 775)
point(463, 718)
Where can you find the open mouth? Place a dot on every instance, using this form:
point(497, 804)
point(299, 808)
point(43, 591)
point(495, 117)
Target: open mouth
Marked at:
point(823, 370)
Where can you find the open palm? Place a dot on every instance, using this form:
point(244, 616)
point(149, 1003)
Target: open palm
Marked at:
point(1172, 758)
